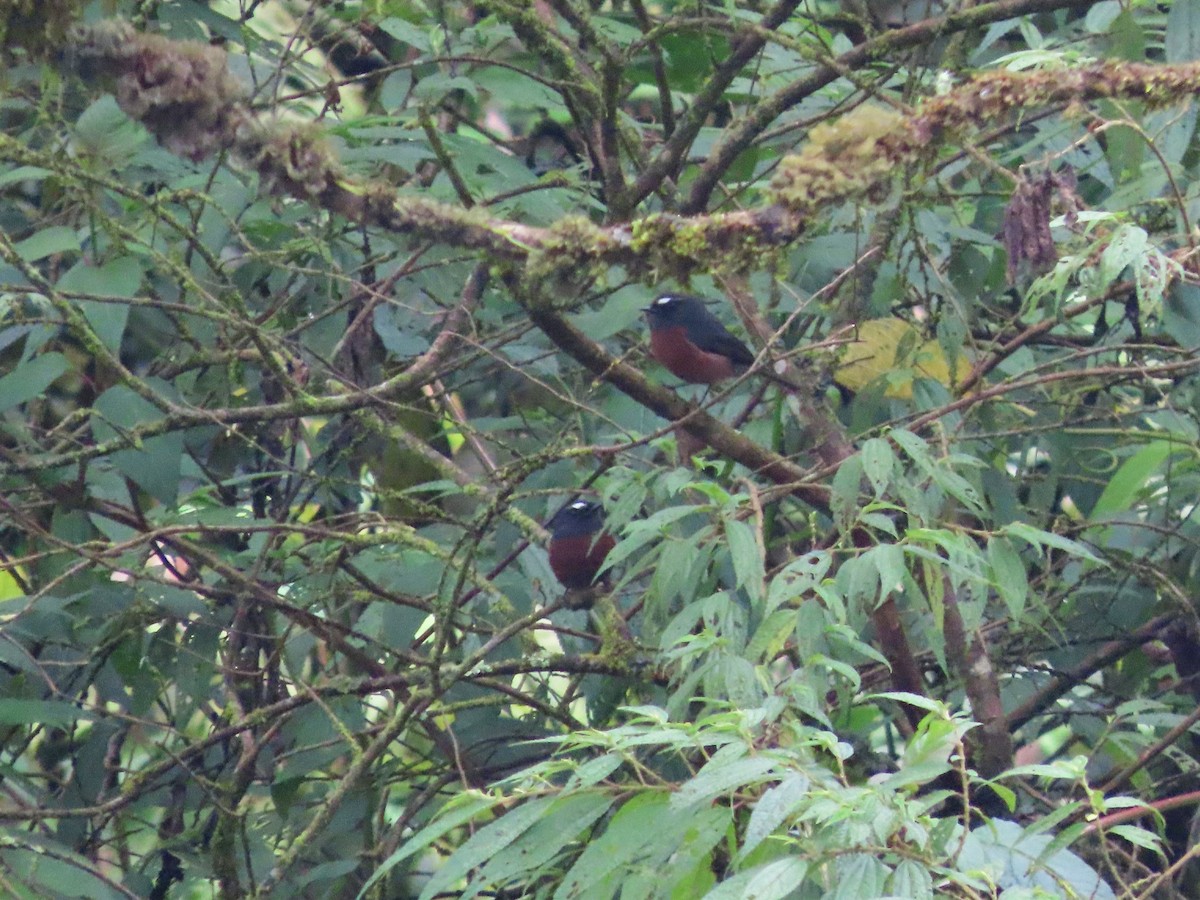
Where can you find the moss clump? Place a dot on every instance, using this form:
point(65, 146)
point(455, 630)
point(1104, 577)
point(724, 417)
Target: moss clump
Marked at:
point(851, 157)
point(677, 248)
point(40, 26)
point(292, 159)
point(570, 253)
point(182, 91)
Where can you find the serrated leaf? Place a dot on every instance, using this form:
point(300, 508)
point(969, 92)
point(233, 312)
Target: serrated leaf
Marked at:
point(637, 824)
point(911, 880)
point(719, 777)
point(460, 810)
point(486, 843)
point(770, 881)
point(1039, 538)
point(773, 808)
point(545, 839)
point(747, 560)
point(858, 876)
point(878, 463)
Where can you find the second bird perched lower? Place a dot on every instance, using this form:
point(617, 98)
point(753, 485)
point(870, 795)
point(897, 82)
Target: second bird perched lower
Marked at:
point(578, 544)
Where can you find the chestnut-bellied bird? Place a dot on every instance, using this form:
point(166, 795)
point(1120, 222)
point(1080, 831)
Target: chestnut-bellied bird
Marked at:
point(578, 543)
point(692, 343)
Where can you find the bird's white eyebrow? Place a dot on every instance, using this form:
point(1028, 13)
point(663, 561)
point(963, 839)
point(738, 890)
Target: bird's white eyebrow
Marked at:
point(664, 299)
point(579, 504)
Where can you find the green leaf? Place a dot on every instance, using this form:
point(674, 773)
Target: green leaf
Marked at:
point(747, 560)
point(915, 447)
point(594, 770)
point(912, 881)
point(23, 173)
point(1040, 538)
point(104, 131)
point(1130, 479)
point(798, 577)
point(771, 636)
point(461, 809)
point(121, 277)
point(41, 712)
point(1008, 574)
point(770, 881)
point(1182, 34)
point(154, 465)
point(878, 464)
point(1125, 247)
point(1139, 837)
point(846, 486)
point(406, 33)
point(486, 843)
point(773, 809)
point(59, 873)
point(858, 876)
point(31, 379)
point(526, 856)
point(48, 242)
point(888, 560)
point(631, 832)
point(720, 776)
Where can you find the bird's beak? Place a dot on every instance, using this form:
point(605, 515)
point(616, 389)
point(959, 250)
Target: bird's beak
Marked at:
point(646, 309)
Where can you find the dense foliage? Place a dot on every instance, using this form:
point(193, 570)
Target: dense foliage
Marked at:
point(312, 315)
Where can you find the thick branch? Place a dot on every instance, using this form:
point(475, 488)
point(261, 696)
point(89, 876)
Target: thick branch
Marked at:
point(670, 406)
point(740, 136)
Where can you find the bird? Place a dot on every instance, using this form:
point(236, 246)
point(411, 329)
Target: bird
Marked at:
point(578, 543)
point(692, 343)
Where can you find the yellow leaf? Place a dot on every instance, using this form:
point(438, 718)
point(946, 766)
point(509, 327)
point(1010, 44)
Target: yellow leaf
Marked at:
point(892, 349)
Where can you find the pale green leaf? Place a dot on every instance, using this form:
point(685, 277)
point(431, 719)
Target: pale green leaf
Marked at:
point(1130, 479)
point(486, 843)
point(747, 560)
point(770, 881)
point(30, 379)
point(48, 242)
point(1008, 574)
point(772, 810)
point(878, 463)
point(461, 809)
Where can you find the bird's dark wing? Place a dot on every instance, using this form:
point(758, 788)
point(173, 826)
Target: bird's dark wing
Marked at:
point(714, 337)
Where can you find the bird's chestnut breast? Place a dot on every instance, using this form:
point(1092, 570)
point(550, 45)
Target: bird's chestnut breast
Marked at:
point(576, 560)
point(683, 359)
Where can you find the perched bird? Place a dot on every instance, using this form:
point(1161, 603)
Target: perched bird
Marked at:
point(692, 343)
point(578, 543)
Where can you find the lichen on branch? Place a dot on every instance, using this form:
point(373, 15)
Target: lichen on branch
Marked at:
point(183, 92)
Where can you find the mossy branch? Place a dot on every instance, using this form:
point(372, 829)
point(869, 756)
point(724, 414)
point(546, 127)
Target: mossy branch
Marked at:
point(183, 92)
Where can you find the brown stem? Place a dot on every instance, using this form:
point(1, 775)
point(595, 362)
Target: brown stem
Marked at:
point(991, 744)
